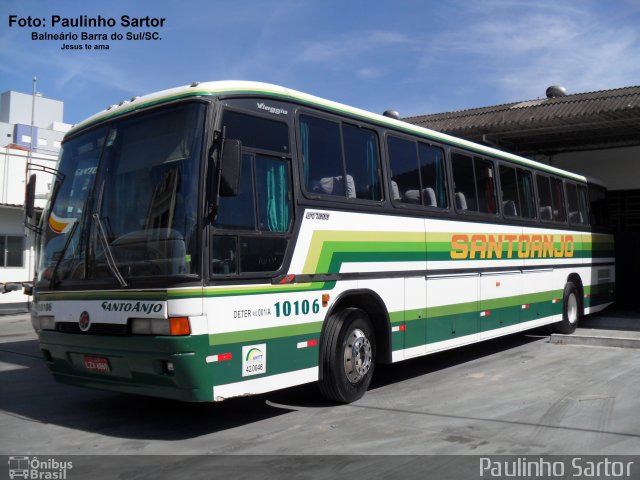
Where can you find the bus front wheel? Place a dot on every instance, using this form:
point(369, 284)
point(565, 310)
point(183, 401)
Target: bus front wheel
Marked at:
point(347, 356)
point(571, 311)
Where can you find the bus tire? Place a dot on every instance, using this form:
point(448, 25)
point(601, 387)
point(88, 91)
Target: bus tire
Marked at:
point(347, 356)
point(571, 311)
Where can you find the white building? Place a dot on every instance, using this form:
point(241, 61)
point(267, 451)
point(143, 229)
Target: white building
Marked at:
point(22, 143)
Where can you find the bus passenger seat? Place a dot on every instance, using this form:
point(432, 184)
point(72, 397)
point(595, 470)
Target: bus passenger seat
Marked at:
point(351, 187)
point(412, 196)
point(461, 201)
point(575, 217)
point(509, 208)
point(334, 186)
point(395, 192)
point(430, 197)
point(545, 213)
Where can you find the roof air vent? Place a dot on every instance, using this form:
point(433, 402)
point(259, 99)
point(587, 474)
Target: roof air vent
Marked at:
point(392, 114)
point(194, 84)
point(555, 91)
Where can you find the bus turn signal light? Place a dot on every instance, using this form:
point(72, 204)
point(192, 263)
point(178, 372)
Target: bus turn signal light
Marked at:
point(179, 326)
point(325, 299)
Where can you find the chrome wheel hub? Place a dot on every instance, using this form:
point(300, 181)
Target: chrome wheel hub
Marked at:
point(357, 356)
point(572, 309)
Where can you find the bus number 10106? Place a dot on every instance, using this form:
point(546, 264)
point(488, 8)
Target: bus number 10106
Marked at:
point(304, 307)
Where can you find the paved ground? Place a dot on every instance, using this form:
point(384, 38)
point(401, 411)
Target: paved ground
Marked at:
point(518, 395)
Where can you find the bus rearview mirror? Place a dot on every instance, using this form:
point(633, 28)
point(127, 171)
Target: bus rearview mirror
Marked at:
point(30, 197)
point(230, 168)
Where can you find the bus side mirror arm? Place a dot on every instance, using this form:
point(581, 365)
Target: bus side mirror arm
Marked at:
point(27, 287)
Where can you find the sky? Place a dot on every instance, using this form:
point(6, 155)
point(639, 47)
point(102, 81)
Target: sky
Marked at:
point(414, 56)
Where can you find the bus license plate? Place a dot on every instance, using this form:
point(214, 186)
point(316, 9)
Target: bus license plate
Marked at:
point(96, 364)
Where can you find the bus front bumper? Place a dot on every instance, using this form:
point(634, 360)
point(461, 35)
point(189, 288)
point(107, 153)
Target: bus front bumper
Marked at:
point(168, 367)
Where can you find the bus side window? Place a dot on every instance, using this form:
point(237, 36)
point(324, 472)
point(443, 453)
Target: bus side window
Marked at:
point(224, 254)
point(598, 206)
point(239, 212)
point(405, 175)
point(475, 189)
point(583, 203)
point(274, 194)
point(526, 194)
point(257, 132)
point(464, 183)
point(576, 215)
point(486, 186)
point(509, 188)
point(432, 173)
point(323, 167)
point(362, 161)
point(544, 197)
point(558, 200)
point(356, 174)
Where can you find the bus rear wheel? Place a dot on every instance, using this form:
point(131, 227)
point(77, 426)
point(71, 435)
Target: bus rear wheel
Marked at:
point(571, 311)
point(347, 356)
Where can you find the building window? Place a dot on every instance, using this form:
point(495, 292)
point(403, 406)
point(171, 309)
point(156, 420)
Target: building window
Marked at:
point(11, 251)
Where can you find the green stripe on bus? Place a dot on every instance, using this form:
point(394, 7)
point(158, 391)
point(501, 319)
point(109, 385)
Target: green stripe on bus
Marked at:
point(265, 333)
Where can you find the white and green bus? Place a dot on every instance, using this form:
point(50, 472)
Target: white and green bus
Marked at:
point(233, 238)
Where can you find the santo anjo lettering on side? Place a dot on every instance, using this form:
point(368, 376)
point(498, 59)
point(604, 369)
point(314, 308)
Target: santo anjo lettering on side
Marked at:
point(131, 307)
point(465, 246)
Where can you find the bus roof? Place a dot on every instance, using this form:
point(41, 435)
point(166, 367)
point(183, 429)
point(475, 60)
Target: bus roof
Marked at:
point(237, 87)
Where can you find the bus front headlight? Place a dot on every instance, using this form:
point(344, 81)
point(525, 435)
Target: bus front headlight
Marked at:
point(173, 326)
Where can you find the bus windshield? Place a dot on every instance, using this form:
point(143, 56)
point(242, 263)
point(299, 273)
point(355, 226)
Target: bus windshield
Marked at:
point(128, 195)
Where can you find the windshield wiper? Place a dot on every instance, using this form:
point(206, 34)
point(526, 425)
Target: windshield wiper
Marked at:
point(108, 254)
point(54, 282)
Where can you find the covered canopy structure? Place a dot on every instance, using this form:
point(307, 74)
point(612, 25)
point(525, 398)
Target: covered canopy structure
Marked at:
point(596, 134)
point(548, 126)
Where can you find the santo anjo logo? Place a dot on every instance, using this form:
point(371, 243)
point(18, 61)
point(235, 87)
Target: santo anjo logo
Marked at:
point(84, 321)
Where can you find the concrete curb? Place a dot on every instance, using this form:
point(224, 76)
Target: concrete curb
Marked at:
point(595, 340)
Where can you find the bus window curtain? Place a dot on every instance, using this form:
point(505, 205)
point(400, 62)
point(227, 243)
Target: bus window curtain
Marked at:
point(304, 136)
point(441, 191)
point(489, 194)
point(583, 203)
point(527, 188)
point(277, 198)
point(372, 170)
